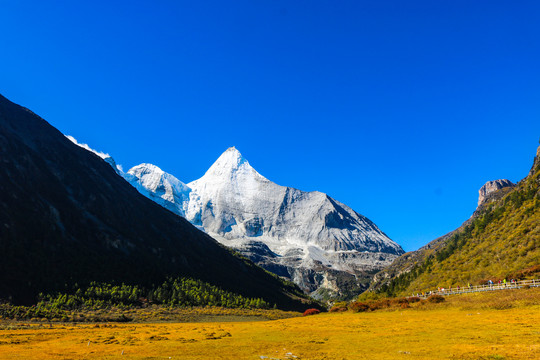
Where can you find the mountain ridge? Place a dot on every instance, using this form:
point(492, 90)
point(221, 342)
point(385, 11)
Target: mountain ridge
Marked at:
point(67, 217)
point(329, 245)
point(308, 237)
point(501, 238)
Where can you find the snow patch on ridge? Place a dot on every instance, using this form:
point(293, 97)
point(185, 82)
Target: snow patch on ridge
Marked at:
point(108, 158)
point(85, 146)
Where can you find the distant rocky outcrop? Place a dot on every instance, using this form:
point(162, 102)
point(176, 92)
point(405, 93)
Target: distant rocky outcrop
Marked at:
point(492, 186)
point(536, 163)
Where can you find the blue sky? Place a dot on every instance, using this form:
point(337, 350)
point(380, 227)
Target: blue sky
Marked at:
point(400, 109)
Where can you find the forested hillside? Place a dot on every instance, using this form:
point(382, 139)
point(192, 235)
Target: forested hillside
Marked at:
point(501, 240)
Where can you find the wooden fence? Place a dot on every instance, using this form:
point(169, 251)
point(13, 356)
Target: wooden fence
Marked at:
point(479, 288)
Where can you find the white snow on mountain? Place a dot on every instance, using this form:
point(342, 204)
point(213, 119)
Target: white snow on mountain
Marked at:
point(234, 202)
point(306, 236)
point(85, 146)
point(161, 187)
point(102, 155)
point(301, 231)
point(150, 181)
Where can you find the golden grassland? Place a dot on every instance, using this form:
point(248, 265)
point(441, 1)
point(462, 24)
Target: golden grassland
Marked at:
point(160, 313)
point(496, 325)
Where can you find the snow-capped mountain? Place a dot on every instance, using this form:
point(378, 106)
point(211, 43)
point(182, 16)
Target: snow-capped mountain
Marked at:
point(286, 230)
point(314, 240)
point(160, 186)
point(151, 181)
point(234, 202)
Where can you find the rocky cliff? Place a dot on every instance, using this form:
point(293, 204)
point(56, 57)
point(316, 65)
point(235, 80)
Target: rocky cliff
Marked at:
point(490, 187)
point(306, 236)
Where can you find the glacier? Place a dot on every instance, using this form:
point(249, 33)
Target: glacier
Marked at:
point(321, 244)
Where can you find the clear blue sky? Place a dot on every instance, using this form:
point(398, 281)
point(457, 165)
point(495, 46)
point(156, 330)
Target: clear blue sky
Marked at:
point(400, 109)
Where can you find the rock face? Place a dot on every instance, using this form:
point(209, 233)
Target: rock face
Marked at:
point(492, 186)
point(301, 235)
point(233, 201)
point(308, 237)
point(536, 163)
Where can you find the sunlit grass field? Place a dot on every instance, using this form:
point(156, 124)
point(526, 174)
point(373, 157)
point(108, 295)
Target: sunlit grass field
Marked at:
point(498, 325)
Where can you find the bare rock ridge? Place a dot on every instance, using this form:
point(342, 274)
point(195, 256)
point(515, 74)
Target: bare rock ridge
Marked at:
point(536, 163)
point(308, 237)
point(492, 186)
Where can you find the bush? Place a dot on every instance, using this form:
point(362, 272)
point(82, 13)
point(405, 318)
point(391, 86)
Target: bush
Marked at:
point(399, 301)
point(311, 312)
point(381, 304)
point(338, 309)
point(414, 299)
point(435, 299)
point(357, 306)
point(405, 305)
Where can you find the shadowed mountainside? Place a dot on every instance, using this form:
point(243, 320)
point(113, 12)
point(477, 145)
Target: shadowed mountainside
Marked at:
point(66, 217)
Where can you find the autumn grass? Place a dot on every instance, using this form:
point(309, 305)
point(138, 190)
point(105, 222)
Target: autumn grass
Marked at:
point(153, 313)
point(473, 326)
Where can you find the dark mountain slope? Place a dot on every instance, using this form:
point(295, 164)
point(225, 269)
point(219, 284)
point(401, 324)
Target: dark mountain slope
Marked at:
point(66, 217)
point(499, 240)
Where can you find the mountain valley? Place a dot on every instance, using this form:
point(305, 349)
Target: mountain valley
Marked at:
point(322, 245)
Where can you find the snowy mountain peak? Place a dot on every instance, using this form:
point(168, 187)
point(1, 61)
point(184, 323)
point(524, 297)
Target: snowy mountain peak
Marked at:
point(163, 188)
point(231, 159)
point(230, 165)
point(146, 168)
point(309, 237)
point(157, 180)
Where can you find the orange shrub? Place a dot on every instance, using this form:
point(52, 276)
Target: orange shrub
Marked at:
point(357, 306)
point(380, 304)
point(311, 312)
point(399, 301)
